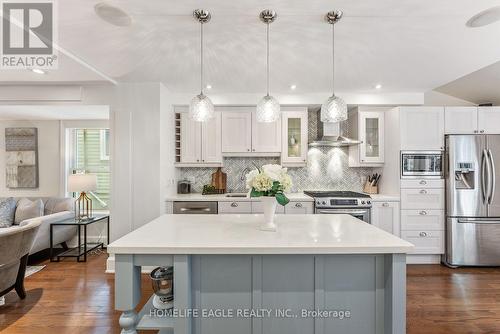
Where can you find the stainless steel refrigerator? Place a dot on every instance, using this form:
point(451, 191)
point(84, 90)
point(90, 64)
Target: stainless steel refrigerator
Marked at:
point(472, 166)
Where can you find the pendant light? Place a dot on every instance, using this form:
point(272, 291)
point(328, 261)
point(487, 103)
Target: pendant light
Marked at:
point(334, 109)
point(201, 109)
point(268, 108)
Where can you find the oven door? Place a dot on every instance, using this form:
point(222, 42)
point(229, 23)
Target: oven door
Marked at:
point(361, 214)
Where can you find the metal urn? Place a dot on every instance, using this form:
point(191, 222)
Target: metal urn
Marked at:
point(162, 279)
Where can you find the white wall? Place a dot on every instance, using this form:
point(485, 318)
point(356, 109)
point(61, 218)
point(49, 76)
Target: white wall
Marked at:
point(434, 98)
point(48, 159)
point(142, 166)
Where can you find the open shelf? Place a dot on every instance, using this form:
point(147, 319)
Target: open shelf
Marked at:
point(147, 322)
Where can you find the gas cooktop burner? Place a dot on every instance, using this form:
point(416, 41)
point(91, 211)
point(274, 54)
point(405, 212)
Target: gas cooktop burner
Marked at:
point(336, 194)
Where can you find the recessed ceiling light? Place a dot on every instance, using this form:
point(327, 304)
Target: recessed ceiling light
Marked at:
point(208, 87)
point(293, 87)
point(484, 18)
point(378, 86)
point(37, 71)
point(112, 14)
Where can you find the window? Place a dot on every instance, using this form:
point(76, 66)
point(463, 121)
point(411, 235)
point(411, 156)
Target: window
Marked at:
point(88, 151)
point(104, 134)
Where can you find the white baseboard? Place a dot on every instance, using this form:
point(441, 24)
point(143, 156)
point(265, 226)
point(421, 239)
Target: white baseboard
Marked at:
point(423, 259)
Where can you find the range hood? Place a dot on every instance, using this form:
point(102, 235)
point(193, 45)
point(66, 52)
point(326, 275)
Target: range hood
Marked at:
point(329, 135)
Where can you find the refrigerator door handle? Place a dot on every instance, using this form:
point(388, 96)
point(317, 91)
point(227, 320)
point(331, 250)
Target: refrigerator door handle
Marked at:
point(479, 220)
point(483, 180)
point(493, 180)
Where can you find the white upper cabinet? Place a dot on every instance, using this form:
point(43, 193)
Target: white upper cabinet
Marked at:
point(211, 143)
point(243, 135)
point(460, 120)
point(266, 137)
point(294, 138)
point(422, 128)
point(367, 126)
point(472, 120)
point(236, 131)
point(190, 140)
point(488, 120)
point(200, 142)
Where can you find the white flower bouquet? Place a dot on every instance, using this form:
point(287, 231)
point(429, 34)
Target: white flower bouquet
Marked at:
point(271, 181)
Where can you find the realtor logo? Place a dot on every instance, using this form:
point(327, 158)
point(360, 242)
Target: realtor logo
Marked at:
point(28, 35)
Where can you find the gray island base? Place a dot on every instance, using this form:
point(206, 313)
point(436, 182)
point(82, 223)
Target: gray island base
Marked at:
point(282, 287)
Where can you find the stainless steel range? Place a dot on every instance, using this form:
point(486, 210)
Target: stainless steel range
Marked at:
point(342, 202)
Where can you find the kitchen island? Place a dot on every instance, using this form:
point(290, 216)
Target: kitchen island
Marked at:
point(316, 274)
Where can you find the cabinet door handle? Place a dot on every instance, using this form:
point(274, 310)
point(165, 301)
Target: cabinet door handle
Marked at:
point(248, 150)
point(385, 204)
point(482, 131)
point(298, 205)
point(475, 131)
point(234, 205)
point(422, 213)
point(423, 191)
point(197, 160)
point(253, 150)
point(422, 234)
point(423, 182)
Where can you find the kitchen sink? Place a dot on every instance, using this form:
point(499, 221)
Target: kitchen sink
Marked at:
point(236, 195)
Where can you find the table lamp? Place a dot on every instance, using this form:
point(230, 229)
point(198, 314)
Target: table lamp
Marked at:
point(82, 183)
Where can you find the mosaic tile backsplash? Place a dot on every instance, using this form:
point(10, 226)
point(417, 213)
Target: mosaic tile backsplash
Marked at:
point(327, 168)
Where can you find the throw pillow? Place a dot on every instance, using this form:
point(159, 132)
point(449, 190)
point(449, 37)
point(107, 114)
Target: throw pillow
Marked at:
point(55, 205)
point(7, 211)
point(27, 209)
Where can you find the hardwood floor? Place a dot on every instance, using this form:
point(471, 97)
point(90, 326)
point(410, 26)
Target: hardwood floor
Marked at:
point(70, 297)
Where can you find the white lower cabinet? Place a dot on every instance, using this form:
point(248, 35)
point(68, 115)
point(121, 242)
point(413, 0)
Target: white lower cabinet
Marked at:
point(422, 220)
point(235, 207)
point(385, 215)
point(420, 198)
point(299, 208)
point(425, 241)
point(257, 208)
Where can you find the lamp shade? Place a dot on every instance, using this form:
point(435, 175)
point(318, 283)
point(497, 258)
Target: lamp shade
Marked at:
point(82, 182)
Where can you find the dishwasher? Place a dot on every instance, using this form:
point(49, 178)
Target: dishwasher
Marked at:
point(200, 208)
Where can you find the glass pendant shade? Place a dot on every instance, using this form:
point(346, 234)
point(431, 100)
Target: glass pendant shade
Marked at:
point(334, 110)
point(268, 109)
point(201, 108)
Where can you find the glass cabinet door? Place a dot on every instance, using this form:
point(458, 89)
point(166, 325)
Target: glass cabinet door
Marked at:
point(294, 141)
point(372, 146)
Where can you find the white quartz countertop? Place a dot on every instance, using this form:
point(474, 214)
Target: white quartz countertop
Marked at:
point(224, 198)
point(239, 234)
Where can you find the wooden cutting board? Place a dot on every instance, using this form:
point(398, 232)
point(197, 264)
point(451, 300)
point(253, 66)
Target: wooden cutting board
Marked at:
point(219, 180)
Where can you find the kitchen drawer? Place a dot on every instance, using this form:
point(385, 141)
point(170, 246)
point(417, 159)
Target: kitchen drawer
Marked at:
point(299, 208)
point(235, 207)
point(422, 219)
point(422, 183)
point(425, 199)
point(257, 208)
point(425, 241)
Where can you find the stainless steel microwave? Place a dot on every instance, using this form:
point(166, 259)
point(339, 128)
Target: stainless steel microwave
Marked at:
point(421, 164)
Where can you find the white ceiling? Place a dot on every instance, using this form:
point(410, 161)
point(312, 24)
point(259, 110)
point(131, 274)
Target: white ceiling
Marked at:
point(479, 87)
point(407, 46)
point(54, 112)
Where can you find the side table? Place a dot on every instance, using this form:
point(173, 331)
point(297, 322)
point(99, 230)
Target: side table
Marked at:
point(82, 249)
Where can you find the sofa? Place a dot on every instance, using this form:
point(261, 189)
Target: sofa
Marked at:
point(53, 210)
point(15, 244)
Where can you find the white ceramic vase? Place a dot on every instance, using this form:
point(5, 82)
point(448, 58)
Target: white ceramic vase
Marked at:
point(269, 206)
